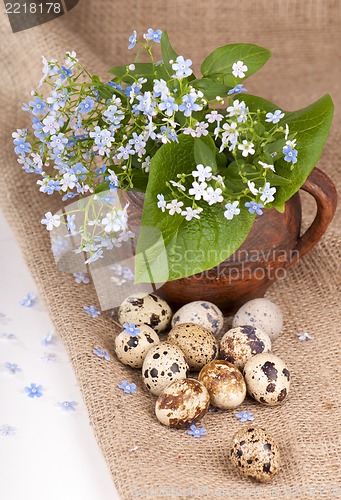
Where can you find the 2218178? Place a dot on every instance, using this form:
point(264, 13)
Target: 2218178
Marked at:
point(33, 8)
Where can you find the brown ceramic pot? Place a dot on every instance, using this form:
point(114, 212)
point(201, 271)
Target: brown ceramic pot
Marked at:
point(272, 246)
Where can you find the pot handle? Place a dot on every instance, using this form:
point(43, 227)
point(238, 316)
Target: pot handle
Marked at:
point(321, 187)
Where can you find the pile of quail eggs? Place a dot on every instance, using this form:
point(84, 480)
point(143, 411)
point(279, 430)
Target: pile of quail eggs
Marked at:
point(240, 363)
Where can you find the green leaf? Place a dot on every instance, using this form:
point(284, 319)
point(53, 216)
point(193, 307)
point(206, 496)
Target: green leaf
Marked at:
point(139, 179)
point(218, 65)
point(205, 152)
point(210, 88)
point(311, 126)
point(168, 53)
point(191, 246)
point(221, 161)
point(103, 186)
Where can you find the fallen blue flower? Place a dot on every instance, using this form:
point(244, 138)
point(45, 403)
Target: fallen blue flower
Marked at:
point(12, 368)
point(128, 388)
point(304, 336)
point(92, 311)
point(81, 278)
point(131, 329)
point(244, 416)
point(196, 431)
point(7, 430)
point(48, 356)
point(28, 301)
point(101, 353)
point(8, 336)
point(68, 405)
point(34, 391)
point(48, 339)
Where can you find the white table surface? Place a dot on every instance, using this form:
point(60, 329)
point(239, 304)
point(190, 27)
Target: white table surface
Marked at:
point(53, 454)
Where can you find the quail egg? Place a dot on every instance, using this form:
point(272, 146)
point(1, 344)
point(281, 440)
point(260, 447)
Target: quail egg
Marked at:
point(225, 384)
point(255, 454)
point(148, 309)
point(239, 344)
point(163, 364)
point(182, 403)
point(132, 349)
point(198, 344)
point(267, 379)
point(201, 312)
point(263, 314)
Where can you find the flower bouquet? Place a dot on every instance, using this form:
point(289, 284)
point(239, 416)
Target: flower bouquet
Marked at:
point(208, 156)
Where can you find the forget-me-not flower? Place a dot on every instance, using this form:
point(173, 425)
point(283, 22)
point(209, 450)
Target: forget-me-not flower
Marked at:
point(131, 329)
point(247, 148)
point(68, 405)
point(28, 301)
point(304, 336)
point(160, 89)
point(188, 104)
point(202, 173)
point(101, 353)
point(86, 105)
point(254, 207)
point(196, 431)
point(189, 213)
point(132, 40)
point(21, 146)
point(161, 202)
point(275, 116)
point(48, 356)
point(34, 391)
point(81, 278)
point(48, 339)
point(290, 153)
point(38, 106)
point(231, 210)
point(51, 221)
point(12, 368)
point(182, 67)
point(168, 105)
point(238, 89)
point(92, 311)
point(7, 430)
point(267, 193)
point(128, 388)
point(239, 69)
point(244, 416)
point(8, 336)
point(155, 36)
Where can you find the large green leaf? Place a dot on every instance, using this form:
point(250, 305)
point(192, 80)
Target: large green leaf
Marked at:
point(210, 88)
point(218, 65)
point(205, 152)
point(191, 246)
point(311, 126)
point(168, 53)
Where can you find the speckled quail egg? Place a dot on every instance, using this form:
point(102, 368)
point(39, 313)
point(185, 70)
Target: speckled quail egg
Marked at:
point(201, 312)
point(263, 314)
point(239, 344)
point(267, 378)
point(255, 454)
point(182, 403)
point(225, 384)
point(163, 364)
point(132, 349)
point(148, 309)
point(198, 344)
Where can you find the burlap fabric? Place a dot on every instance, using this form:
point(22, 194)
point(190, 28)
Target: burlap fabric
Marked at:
point(146, 459)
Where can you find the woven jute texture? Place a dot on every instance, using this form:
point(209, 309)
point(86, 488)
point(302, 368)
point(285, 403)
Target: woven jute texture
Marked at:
point(146, 459)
